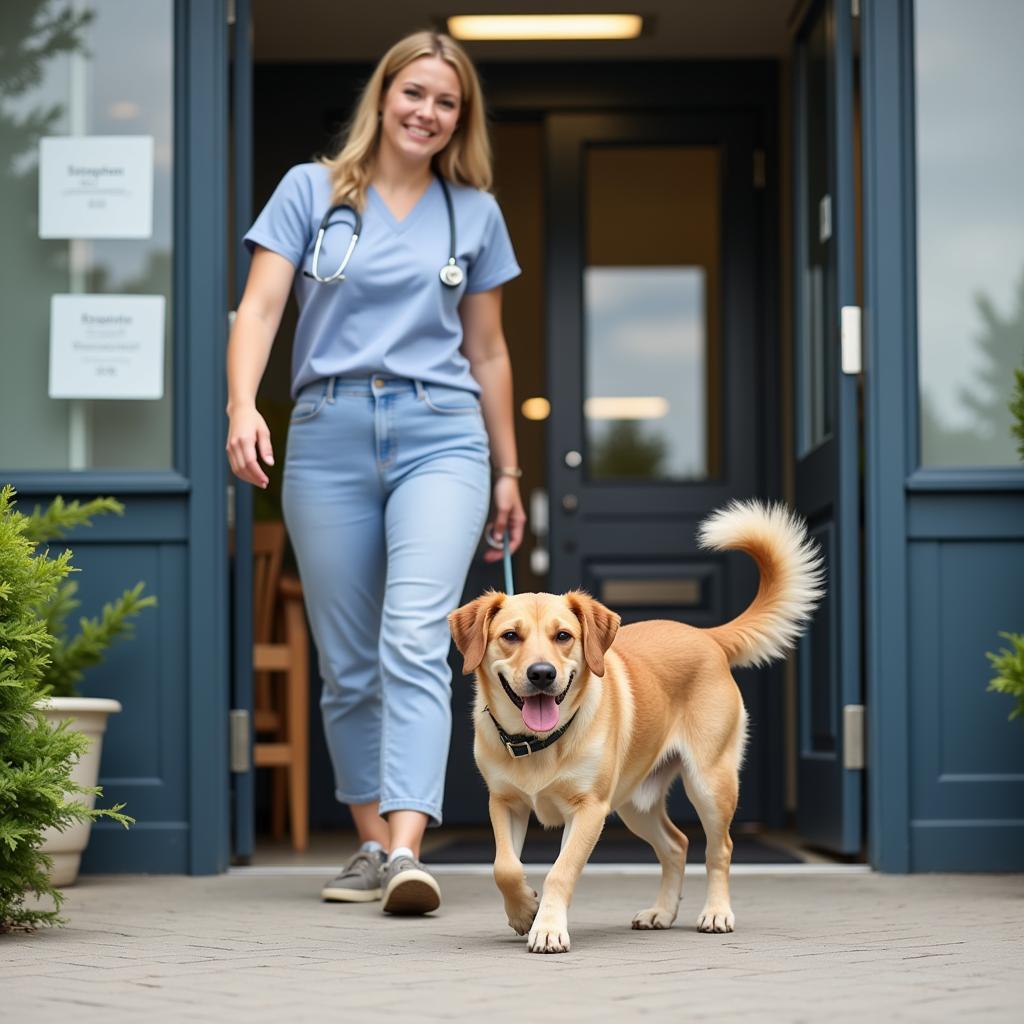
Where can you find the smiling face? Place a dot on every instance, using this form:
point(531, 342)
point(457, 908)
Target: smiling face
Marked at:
point(420, 110)
point(534, 651)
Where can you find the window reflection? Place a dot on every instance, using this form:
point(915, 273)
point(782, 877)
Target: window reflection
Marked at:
point(65, 70)
point(650, 293)
point(970, 228)
point(646, 373)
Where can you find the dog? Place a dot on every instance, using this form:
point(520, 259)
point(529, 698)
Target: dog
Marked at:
point(576, 717)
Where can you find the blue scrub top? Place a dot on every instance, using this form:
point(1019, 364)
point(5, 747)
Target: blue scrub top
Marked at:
point(391, 314)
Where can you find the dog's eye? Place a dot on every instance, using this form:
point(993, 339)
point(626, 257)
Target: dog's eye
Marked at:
point(563, 637)
point(510, 635)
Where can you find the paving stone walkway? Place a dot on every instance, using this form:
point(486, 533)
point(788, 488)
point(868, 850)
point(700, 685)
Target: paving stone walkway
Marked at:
point(252, 948)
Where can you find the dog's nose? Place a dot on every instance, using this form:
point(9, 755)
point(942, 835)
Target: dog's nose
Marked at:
point(542, 674)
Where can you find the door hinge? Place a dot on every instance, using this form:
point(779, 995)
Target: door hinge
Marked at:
point(231, 12)
point(853, 736)
point(229, 506)
point(854, 8)
point(850, 339)
point(759, 171)
point(241, 759)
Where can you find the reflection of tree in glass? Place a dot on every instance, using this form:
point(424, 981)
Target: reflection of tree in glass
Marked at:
point(1003, 347)
point(988, 440)
point(625, 450)
point(30, 35)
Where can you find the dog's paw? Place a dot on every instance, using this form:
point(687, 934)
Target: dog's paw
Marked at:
point(716, 919)
point(653, 917)
point(522, 912)
point(549, 934)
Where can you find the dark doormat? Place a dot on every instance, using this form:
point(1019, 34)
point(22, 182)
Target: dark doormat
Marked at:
point(612, 848)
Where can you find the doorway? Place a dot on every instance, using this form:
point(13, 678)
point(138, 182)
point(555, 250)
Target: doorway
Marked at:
point(644, 347)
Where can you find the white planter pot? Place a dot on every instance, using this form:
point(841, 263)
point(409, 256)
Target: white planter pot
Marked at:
point(89, 716)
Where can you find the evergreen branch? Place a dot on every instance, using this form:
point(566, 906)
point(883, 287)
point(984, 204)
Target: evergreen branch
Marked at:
point(69, 659)
point(61, 516)
point(1009, 664)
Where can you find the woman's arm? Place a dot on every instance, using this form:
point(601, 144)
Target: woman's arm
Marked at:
point(252, 337)
point(483, 344)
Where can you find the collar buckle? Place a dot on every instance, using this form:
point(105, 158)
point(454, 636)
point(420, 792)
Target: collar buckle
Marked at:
point(509, 744)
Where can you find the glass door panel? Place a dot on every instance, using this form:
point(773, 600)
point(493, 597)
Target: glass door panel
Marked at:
point(816, 339)
point(651, 294)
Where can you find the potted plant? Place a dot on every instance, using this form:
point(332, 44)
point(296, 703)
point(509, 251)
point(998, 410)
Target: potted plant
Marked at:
point(36, 758)
point(69, 657)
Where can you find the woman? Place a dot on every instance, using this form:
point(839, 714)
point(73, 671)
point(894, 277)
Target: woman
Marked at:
point(403, 404)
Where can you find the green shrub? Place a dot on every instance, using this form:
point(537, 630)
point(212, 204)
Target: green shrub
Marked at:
point(1010, 666)
point(35, 758)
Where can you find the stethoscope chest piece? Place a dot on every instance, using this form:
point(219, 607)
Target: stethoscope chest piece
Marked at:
point(452, 275)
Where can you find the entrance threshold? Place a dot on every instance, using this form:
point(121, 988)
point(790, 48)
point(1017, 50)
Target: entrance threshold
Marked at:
point(591, 869)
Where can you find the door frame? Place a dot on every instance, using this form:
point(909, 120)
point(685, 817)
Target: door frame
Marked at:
point(201, 267)
point(887, 90)
point(240, 502)
point(830, 795)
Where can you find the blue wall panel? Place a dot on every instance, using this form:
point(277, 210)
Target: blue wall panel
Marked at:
point(967, 760)
point(145, 750)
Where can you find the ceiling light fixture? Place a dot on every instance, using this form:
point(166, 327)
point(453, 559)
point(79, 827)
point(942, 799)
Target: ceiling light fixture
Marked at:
point(545, 26)
point(536, 408)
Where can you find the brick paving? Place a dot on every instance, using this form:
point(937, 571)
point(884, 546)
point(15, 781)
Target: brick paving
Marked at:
point(254, 948)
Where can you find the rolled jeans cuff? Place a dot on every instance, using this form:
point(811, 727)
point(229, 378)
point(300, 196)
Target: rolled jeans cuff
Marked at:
point(398, 803)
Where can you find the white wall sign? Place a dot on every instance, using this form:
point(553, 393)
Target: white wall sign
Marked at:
point(96, 186)
point(107, 346)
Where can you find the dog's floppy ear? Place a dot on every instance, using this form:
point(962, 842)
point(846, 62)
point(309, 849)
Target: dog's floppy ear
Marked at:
point(469, 628)
point(600, 625)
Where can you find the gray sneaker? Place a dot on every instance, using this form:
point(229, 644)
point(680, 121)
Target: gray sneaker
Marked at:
point(358, 881)
point(409, 888)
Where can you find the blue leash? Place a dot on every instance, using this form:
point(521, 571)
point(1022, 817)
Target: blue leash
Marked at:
point(506, 559)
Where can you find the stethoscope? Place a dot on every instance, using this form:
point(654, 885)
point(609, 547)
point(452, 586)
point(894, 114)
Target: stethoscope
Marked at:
point(450, 274)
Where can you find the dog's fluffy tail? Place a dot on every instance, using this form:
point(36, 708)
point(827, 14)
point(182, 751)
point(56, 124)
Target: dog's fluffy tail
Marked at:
point(792, 578)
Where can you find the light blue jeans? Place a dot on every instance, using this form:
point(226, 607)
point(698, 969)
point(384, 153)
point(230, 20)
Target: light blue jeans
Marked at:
point(386, 491)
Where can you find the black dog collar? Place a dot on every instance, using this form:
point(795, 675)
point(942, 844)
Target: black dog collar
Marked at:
point(522, 739)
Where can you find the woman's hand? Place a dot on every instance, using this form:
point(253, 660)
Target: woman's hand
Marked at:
point(508, 515)
point(248, 436)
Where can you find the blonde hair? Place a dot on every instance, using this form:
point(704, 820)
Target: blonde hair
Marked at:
point(466, 160)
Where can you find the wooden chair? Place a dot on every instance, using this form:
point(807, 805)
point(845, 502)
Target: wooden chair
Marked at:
point(280, 663)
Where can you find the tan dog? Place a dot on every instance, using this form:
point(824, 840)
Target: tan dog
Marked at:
point(624, 711)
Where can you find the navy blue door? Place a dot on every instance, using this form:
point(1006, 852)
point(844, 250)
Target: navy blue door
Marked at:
point(658, 376)
point(829, 780)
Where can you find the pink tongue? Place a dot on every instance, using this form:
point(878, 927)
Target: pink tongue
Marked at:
point(540, 713)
